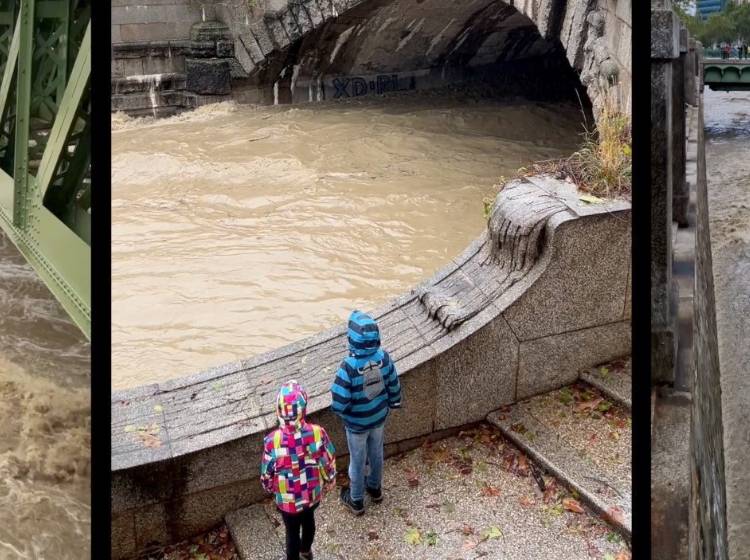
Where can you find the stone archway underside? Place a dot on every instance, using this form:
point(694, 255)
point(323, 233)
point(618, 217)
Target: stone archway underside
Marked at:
point(321, 49)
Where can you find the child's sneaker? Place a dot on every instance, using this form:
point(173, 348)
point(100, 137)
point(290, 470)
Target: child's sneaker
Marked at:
point(357, 507)
point(306, 555)
point(376, 494)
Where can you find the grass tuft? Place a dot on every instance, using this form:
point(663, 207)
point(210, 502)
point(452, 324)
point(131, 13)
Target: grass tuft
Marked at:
point(603, 164)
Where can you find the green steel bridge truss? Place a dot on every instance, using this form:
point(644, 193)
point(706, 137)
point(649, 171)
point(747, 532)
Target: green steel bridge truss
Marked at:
point(726, 75)
point(45, 140)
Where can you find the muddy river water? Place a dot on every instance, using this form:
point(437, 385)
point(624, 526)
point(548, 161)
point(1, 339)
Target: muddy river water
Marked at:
point(45, 421)
point(237, 229)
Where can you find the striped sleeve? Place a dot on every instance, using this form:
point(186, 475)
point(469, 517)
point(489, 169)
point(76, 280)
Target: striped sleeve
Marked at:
point(341, 391)
point(268, 463)
point(392, 384)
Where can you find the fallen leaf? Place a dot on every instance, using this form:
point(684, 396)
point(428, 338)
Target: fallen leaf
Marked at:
point(467, 530)
point(518, 427)
point(590, 199)
point(431, 538)
point(523, 465)
point(565, 396)
point(493, 532)
point(372, 535)
point(413, 537)
point(588, 405)
point(572, 505)
point(623, 555)
point(527, 501)
point(158, 408)
point(490, 491)
point(129, 429)
point(616, 514)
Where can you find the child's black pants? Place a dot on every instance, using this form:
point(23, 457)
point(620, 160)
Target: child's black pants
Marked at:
point(304, 520)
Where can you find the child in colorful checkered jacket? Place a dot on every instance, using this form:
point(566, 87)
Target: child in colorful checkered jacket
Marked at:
point(298, 462)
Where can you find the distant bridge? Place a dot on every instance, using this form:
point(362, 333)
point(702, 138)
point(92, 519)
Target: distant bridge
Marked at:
point(45, 141)
point(727, 75)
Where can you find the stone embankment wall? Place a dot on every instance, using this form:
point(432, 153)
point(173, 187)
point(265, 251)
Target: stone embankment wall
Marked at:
point(708, 515)
point(543, 293)
point(676, 78)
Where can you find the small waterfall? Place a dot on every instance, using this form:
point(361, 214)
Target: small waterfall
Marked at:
point(153, 81)
point(203, 13)
point(276, 93)
point(295, 73)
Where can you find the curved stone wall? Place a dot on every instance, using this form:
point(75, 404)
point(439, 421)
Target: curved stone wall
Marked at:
point(541, 294)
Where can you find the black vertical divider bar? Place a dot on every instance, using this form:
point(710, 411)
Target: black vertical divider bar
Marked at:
point(641, 281)
point(101, 281)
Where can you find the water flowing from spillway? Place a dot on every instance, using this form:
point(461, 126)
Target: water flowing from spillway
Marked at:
point(45, 422)
point(237, 229)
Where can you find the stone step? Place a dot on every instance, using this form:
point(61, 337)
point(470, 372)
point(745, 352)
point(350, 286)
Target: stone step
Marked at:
point(575, 451)
point(257, 536)
point(254, 534)
point(614, 380)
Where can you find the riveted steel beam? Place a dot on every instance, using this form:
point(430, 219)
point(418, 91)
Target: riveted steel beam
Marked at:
point(45, 187)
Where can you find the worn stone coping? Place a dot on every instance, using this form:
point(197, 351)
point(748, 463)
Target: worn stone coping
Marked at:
point(237, 399)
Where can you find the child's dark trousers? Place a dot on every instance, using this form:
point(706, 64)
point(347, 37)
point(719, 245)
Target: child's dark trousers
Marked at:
point(295, 523)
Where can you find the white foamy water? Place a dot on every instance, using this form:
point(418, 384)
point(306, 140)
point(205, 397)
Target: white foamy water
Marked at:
point(45, 421)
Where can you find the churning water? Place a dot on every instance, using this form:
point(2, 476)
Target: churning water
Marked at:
point(237, 229)
point(44, 421)
point(727, 120)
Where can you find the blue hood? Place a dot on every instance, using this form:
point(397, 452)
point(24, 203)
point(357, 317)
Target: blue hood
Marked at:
point(363, 334)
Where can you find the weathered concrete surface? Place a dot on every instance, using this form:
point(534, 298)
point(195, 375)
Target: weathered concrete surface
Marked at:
point(580, 437)
point(664, 50)
point(181, 449)
point(729, 222)
point(208, 76)
point(670, 475)
point(426, 491)
point(614, 380)
point(708, 536)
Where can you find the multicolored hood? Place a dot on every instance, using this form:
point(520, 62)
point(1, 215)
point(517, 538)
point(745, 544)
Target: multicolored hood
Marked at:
point(363, 334)
point(291, 405)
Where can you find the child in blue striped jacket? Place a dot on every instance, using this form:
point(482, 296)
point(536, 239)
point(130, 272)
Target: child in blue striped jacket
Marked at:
point(366, 388)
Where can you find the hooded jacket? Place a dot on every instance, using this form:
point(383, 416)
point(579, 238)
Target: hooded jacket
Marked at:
point(298, 457)
point(366, 385)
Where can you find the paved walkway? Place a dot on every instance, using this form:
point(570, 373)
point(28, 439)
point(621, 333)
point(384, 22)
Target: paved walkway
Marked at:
point(465, 497)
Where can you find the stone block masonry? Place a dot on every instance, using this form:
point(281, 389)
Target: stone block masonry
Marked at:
point(155, 20)
point(185, 452)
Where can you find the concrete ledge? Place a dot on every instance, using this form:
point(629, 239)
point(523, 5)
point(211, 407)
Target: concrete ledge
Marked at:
point(186, 451)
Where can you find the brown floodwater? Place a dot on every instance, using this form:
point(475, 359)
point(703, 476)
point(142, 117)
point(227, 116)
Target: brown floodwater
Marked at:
point(238, 229)
point(45, 421)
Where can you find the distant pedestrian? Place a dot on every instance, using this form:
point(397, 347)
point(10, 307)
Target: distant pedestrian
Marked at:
point(298, 462)
point(366, 388)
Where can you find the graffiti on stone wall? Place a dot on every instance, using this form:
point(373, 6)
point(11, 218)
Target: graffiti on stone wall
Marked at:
point(358, 86)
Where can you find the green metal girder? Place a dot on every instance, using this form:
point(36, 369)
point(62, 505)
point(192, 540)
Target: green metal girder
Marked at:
point(730, 76)
point(44, 103)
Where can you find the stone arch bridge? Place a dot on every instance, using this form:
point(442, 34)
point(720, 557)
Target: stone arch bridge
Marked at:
point(309, 50)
